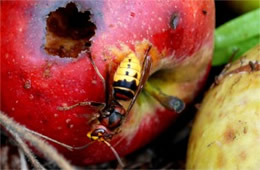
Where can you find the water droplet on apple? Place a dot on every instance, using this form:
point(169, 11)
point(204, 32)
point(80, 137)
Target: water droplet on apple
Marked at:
point(68, 120)
point(94, 81)
point(31, 97)
point(82, 91)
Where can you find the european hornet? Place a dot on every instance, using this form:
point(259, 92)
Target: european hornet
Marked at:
point(128, 81)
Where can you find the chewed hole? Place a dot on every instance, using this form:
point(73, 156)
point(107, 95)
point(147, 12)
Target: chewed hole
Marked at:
point(68, 31)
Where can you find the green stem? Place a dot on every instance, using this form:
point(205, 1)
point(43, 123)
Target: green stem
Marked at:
point(169, 102)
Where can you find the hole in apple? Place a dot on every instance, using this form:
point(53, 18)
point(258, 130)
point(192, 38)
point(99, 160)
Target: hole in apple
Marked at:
point(68, 31)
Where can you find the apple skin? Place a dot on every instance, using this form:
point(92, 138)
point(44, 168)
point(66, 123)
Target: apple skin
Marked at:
point(225, 132)
point(35, 83)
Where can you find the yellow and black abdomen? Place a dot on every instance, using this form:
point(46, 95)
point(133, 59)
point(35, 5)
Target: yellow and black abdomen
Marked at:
point(127, 77)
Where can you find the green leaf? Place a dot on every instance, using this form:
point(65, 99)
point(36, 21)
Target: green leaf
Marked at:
point(236, 36)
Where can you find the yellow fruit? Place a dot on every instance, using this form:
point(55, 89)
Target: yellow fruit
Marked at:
point(226, 131)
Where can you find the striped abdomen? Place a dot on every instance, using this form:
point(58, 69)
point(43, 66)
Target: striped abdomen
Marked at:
point(127, 77)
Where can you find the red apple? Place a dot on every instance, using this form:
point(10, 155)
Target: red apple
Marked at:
point(45, 64)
